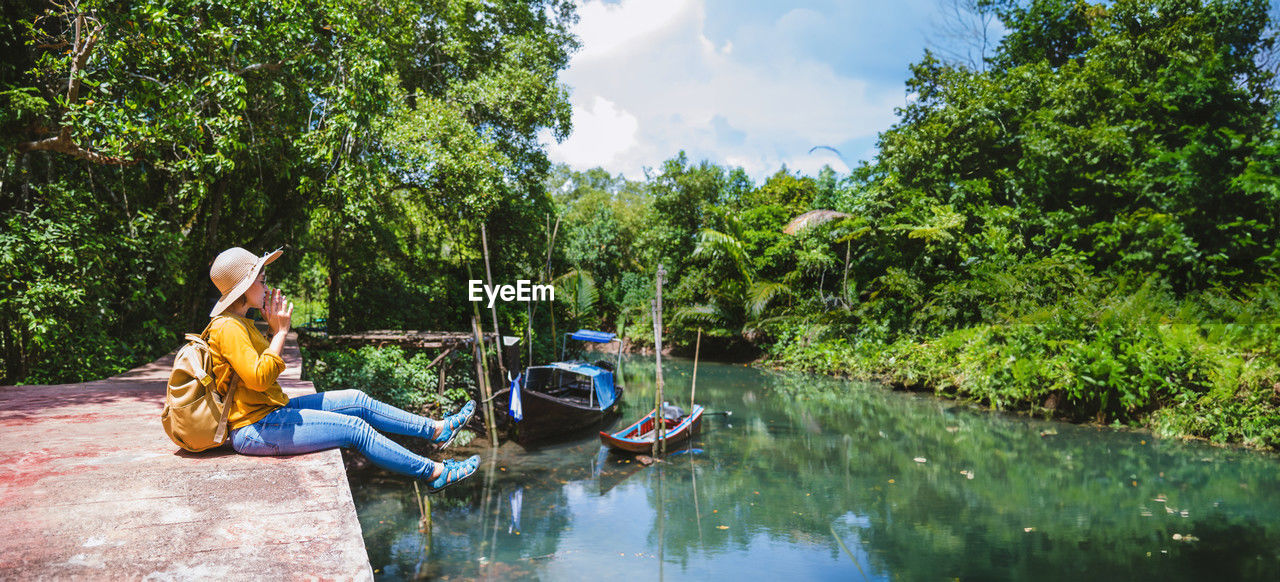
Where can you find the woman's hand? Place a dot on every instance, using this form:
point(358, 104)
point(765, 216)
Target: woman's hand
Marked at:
point(279, 313)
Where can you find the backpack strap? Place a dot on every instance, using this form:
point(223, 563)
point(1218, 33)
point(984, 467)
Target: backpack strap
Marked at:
point(221, 432)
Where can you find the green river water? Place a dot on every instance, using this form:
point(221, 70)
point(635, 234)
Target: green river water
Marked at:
point(813, 478)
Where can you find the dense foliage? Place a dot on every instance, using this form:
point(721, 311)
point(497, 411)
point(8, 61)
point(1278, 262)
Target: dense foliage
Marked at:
point(370, 139)
point(390, 375)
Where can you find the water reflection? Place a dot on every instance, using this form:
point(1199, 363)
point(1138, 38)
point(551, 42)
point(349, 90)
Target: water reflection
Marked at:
point(813, 478)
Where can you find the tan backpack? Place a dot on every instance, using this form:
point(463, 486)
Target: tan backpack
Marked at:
point(195, 415)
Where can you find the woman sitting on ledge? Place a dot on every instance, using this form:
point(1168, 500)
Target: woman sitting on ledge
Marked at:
point(264, 421)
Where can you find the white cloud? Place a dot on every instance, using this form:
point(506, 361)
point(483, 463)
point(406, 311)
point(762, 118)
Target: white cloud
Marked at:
point(606, 28)
point(649, 82)
point(599, 134)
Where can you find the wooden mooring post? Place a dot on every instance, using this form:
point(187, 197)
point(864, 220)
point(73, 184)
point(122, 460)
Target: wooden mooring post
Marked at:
point(493, 308)
point(660, 428)
point(482, 378)
point(693, 387)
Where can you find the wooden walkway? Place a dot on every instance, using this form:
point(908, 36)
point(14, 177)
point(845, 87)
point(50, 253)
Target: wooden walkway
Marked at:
point(90, 487)
point(408, 338)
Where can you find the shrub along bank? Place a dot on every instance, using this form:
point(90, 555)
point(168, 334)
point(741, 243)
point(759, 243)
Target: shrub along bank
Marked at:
point(395, 376)
point(1204, 366)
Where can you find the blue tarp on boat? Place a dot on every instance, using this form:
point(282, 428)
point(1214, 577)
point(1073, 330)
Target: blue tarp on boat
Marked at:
point(587, 335)
point(601, 380)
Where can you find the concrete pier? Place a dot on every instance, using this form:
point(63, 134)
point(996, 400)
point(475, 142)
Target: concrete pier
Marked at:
point(90, 487)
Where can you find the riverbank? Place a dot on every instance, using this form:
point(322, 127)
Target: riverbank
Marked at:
point(1218, 382)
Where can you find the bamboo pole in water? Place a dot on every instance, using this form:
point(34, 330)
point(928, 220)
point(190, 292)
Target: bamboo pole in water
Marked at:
point(475, 312)
point(657, 392)
point(698, 514)
point(497, 507)
point(660, 425)
point(484, 511)
point(424, 523)
point(846, 551)
point(693, 389)
point(482, 368)
point(551, 243)
point(483, 378)
point(661, 519)
point(488, 276)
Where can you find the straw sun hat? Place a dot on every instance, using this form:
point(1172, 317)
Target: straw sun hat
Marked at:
point(234, 271)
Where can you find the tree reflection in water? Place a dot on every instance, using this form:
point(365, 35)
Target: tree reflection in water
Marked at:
point(914, 487)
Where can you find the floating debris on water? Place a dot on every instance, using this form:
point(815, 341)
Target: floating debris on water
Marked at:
point(920, 460)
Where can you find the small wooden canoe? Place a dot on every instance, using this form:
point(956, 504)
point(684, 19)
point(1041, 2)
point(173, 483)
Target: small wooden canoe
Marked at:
point(639, 437)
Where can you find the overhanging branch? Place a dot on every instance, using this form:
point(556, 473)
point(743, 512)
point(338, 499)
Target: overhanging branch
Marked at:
point(62, 143)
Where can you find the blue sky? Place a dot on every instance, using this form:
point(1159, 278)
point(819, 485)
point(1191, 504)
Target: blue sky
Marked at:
point(749, 83)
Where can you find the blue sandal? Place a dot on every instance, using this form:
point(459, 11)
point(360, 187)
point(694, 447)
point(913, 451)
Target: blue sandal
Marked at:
point(453, 424)
point(454, 471)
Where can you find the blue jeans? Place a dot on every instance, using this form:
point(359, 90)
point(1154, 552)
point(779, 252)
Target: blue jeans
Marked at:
point(341, 418)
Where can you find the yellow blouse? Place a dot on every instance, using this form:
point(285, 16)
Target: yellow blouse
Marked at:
point(236, 344)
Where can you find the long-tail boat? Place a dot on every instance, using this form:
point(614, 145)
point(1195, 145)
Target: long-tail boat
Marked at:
point(562, 397)
point(640, 436)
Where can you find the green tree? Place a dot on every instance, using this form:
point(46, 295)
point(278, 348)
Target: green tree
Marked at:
point(163, 132)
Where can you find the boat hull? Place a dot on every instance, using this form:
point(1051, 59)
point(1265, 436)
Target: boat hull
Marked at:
point(547, 417)
point(639, 437)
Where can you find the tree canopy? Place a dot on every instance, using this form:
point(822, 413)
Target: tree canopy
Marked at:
point(141, 138)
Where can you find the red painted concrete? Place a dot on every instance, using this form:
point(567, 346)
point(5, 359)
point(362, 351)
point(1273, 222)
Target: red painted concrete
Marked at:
point(90, 487)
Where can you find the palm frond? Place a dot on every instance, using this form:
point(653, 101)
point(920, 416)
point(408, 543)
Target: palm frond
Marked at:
point(717, 244)
point(577, 289)
point(705, 313)
point(762, 293)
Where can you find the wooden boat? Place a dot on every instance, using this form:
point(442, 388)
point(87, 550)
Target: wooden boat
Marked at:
point(639, 437)
point(560, 398)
